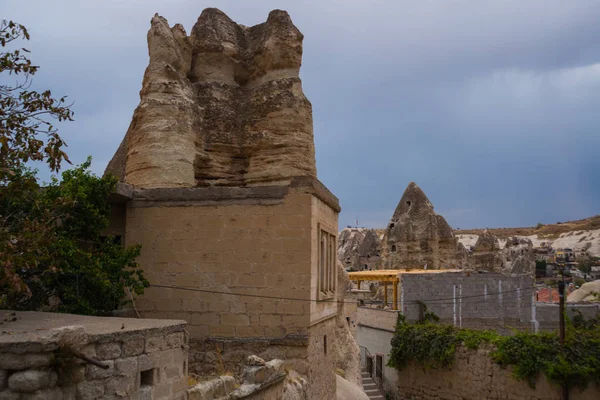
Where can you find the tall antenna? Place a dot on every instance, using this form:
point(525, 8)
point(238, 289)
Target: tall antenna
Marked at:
point(357, 221)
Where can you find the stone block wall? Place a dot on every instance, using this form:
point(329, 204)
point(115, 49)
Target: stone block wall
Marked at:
point(147, 361)
point(325, 218)
point(249, 249)
point(473, 377)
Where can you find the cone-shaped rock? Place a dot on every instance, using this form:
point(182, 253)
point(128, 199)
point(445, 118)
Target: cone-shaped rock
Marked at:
point(416, 236)
point(223, 106)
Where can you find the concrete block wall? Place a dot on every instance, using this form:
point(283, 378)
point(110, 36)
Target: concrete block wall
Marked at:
point(547, 314)
point(148, 362)
point(470, 299)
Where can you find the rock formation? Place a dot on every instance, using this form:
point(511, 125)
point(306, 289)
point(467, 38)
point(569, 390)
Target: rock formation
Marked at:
point(223, 106)
point(345, 349)
point(518, 256)
point(515, 257)
point(589, 291)
point(417, 236)
point(485, 254)
point(358, 248)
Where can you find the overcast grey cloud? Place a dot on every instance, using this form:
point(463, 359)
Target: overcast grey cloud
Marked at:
point(490, 106)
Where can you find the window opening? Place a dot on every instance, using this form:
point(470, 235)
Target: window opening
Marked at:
point(147, 377)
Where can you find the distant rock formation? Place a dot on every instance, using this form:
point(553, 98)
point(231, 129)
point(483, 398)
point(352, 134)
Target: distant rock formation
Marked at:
point(515, 257)
point(223, 106)
point(416, 236)
point(589, 291)
point(485, 254)
point(518, 256)
point(358, 248)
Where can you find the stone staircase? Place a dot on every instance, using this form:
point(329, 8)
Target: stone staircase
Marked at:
point(370, 387)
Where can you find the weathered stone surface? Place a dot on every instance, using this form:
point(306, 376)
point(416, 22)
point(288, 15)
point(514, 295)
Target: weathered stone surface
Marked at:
point(212, 389)
point(359, 248)
point(344, 347)
point(174, 340)
point(127, 366)
point(348, 390)
point(69, 392)
point(133, 347)
point(46, 394)
point(223, 106)
point(120, 385)
point(3, 378)
point(24, 361)
point(154, 344)
point(94, 372)
point(90, 390)
point(31, 380)
point(9, 395)
point(416, 236)
point(108, 351)
point(255, 361)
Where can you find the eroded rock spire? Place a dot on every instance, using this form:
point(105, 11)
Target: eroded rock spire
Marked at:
point(416, 236)
point(223, 106)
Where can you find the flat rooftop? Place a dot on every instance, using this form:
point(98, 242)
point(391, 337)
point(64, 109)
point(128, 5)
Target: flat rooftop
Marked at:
point(31, 330)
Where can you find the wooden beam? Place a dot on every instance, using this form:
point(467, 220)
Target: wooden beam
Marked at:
point(385, 299)
point(395, 305)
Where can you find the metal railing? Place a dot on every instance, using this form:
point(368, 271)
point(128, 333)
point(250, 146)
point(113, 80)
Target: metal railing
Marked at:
point(373, 366)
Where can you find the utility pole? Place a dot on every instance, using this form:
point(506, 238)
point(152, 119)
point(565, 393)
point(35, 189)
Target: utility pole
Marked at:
point(561, 308)
point(561, 323)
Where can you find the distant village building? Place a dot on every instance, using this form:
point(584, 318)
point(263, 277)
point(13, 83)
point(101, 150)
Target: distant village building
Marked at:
point(595, 272)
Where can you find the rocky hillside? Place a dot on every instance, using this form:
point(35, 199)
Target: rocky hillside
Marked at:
point(583, 236)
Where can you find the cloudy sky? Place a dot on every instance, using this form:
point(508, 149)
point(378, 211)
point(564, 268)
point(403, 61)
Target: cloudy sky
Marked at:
point(492, 107)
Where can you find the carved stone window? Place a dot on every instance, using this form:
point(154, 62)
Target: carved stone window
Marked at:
point(327, 277)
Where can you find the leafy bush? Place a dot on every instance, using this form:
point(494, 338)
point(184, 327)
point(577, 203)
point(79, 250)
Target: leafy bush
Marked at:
point(53, 254)
point(434, 346)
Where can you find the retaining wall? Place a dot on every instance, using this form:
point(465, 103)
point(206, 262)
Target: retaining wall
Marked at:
point(475, 376)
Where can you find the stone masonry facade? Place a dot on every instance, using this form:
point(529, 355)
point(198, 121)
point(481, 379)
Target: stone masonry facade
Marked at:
point(146, 361)
point(241, 265)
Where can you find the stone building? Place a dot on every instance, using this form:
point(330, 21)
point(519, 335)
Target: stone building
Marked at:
point(218, 185)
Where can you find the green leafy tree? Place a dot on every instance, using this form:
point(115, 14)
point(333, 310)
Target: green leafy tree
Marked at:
point(52, 253)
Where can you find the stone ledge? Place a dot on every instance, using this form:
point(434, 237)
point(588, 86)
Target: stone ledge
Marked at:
point(288, 340)
point(222, 195)
point(35, 332)
point(315, 187)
